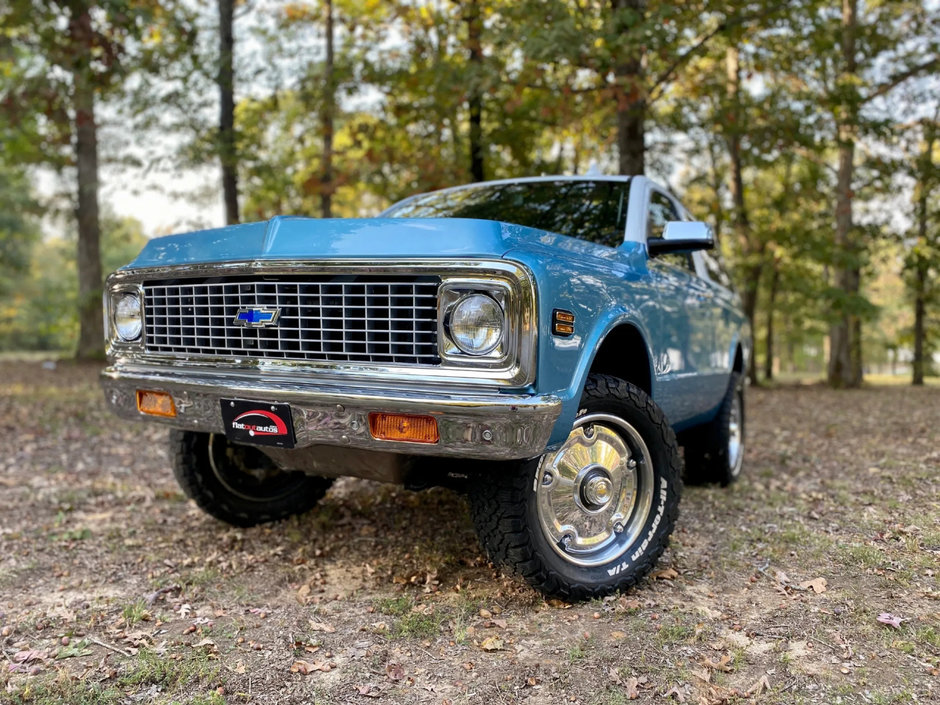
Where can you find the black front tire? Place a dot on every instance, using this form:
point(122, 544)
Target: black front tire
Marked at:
point(714, 452)
point(593, 517)
point(238, 484)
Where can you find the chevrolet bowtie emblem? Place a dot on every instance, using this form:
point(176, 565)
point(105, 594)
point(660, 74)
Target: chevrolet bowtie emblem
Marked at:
point(256, 317)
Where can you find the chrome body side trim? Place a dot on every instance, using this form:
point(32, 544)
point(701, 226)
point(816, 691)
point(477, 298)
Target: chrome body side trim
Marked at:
point(515, 370)
point(487, 426)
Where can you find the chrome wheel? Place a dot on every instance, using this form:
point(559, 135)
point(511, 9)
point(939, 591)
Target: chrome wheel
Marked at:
point(595, 493)
point(736, 435)
point(247, 472)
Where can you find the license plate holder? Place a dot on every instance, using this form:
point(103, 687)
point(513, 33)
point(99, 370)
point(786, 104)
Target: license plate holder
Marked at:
point(258, 422)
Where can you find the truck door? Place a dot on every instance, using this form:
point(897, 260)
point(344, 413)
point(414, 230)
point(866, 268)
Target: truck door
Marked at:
point(683, 339)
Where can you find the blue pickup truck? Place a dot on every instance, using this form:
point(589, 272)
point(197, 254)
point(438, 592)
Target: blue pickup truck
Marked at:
point(545, 344)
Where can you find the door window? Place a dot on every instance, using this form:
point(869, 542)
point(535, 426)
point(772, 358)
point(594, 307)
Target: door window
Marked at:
point(662, 210)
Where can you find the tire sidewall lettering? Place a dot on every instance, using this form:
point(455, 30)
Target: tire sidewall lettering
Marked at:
point(650, 534)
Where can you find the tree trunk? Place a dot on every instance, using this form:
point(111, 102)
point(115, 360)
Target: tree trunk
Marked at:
point(771, 305)
point(920, 316)
point(922, 264)
point(753, 254)
point(845, 359)
point(630, 80)
point(475, 97)
point(326, 117)
point(91, 331)
point(226, 81)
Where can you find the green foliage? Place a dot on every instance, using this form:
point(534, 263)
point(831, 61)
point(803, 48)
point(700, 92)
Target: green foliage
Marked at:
point(553, 78)
point(18, 229)
point(39, 310)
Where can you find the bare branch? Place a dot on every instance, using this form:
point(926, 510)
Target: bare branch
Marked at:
point(899, 78)
point(656, 90)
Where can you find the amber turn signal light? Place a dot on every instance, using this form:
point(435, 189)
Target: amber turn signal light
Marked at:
point(403, 427)
point(155, 403)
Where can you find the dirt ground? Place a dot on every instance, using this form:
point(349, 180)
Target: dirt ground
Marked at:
point(115, 589)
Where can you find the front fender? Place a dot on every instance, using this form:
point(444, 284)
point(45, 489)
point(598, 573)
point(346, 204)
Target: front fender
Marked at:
point(603, 326)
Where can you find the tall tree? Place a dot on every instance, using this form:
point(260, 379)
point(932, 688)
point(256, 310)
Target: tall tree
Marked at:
point(474, 21)
point(73, 52)
point(82, 39)
point(924, 257)
point(845, 363)
point(629, 16)
point(327, 111)
point(226, 81)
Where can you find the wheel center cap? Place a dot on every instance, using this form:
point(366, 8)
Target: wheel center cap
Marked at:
point(597, 491)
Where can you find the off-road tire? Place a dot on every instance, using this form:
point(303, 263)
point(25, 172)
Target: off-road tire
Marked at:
point(278, 496)
point(708, 455)
point(504, 505)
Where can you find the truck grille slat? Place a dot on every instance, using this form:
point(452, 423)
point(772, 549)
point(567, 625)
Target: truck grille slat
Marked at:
point(342, 318)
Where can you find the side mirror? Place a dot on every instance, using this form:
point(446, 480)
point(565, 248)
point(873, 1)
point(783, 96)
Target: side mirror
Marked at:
point(681, 236)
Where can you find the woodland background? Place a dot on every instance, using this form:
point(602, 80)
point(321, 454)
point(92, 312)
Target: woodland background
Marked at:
point(805, 131)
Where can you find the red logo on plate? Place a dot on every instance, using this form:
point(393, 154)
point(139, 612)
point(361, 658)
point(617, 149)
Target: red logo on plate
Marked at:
point(264, 424)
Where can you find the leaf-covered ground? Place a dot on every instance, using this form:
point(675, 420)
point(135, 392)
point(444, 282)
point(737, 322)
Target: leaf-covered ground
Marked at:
point(114, 589)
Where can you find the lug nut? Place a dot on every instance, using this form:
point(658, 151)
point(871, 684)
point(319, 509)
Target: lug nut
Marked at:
point(589, 431)
point(547, 478)
point(487, 435)
point(618, 528)
point(631, 463)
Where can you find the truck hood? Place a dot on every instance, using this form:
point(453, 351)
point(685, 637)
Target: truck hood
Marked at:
point(296, 238)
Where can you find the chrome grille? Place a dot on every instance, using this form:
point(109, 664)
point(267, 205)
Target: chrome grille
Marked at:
point(344, 318)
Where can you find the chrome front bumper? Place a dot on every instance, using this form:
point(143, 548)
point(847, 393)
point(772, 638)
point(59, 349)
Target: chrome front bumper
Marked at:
point(487, 426)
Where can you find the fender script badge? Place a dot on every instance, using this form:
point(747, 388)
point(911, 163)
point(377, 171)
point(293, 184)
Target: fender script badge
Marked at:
point(256, 317)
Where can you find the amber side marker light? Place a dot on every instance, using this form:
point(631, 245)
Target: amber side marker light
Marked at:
point(562, 323)
point(403, 427)
point(155, 403)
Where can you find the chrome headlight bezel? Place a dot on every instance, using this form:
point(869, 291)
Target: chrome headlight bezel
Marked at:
point(119, 334)
point(453, 292)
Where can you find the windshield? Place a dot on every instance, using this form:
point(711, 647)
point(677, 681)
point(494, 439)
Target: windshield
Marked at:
point(590, 210)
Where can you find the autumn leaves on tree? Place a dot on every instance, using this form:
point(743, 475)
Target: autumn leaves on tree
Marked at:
point(776, 119)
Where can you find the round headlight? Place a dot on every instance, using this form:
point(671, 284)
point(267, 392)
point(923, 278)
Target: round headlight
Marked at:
point(476, 324)
point(127, 317)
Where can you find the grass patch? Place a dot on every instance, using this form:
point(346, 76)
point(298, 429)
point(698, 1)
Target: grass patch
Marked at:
point(395, 606)
point(169, 673)
point(417, 625)
point(65, 690)
point(135, 612)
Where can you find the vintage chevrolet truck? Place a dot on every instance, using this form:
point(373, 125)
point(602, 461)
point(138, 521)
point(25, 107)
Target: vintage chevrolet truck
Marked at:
point(546, 344)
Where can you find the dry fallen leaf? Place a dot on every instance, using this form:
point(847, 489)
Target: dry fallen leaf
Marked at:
point(817, 585)
point(674, 692)
point(394, 671)
point(723, 664)
point(208, 643)
point(492, 643)
point(890, 620)
point(759, 687)
point(631, 686)
point(665, 574)
point(29, 655)
point(305, 667)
